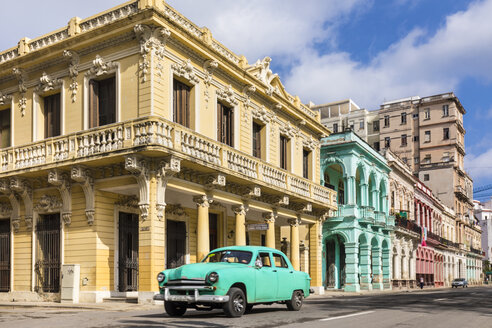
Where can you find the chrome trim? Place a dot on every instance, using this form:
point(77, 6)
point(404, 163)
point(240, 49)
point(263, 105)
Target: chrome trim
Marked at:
point(195, 298)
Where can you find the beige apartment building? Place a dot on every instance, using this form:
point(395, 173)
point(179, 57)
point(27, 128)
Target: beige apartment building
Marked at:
point(133, 141)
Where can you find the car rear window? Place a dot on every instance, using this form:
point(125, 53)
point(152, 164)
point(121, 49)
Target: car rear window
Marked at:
point(230, 256)
point(279, 261)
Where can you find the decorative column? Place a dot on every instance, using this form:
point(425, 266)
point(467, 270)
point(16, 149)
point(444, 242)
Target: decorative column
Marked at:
point(363, 194)
point(270, 233)
point(386, 268)
point(294, 242)
point(202, 231)
point(365, 267)
point(397, 269)
point(377, 275)
point(352, 267)
point(350, 190)
point(240, 235)
point(315, 254)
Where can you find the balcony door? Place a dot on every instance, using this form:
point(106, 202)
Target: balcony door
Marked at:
point(175, 244)
point(48, 259)
point(128, 252)
point(4, 255)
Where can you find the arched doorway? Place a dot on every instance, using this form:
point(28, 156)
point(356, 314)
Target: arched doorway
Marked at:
point(335, 262)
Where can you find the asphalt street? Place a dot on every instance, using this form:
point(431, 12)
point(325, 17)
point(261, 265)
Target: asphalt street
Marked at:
point(470, 307)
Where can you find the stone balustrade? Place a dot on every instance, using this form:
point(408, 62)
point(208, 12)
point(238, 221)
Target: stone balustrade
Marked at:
point(156, 131)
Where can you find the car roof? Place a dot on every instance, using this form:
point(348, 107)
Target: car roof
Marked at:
point(247, 248)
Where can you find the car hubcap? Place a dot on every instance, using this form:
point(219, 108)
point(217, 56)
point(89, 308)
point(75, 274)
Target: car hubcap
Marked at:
point(298, 299)
point(238, 303)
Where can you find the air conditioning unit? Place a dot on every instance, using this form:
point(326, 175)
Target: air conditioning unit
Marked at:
point(70, 283)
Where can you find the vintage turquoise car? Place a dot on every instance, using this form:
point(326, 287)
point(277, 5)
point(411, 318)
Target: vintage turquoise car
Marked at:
point(233, 278)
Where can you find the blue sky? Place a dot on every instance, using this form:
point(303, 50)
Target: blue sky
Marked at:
point(326, 50)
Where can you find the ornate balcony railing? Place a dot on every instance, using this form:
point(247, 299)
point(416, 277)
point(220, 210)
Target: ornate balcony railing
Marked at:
point(476, 251)
point(434, 236)
point(159, 132)
point(447, 242)
point(407, 224)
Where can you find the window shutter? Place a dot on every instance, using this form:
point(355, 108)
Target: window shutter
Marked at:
point(93, 103)
point(230, 118)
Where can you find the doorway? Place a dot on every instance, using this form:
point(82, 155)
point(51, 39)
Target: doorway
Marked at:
point(335, 263)
point(4, 255)
point(48, 259)
point(128, 252)
point(175, 244)
point(213, 230)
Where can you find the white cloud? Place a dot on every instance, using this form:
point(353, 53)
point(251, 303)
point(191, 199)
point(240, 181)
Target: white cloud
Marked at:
point(258, 28)
point(418, 64)
point(480, 166)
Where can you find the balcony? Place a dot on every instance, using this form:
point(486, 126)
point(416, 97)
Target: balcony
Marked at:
point(449, 243)
point(365, 214)
point(408, 225)
point(158, 134)
point(477, 251)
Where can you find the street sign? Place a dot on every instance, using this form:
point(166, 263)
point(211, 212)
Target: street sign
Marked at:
point(259, 226)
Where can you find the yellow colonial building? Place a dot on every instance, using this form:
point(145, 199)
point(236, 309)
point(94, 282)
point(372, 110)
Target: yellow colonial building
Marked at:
point(133, 141)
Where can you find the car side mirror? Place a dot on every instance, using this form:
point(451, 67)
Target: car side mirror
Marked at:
point(258, 264)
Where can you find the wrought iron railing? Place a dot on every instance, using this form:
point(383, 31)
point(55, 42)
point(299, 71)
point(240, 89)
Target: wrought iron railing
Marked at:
point(407, 224)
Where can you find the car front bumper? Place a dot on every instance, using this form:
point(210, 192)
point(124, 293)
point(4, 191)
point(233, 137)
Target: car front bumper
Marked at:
point(194, 298)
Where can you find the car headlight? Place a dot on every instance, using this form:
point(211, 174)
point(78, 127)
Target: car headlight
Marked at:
point(160, 277)
point(213, 277)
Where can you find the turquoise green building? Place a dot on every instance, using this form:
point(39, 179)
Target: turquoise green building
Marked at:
point(357, 238)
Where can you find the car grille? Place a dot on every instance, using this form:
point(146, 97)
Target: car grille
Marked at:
point(186, 282)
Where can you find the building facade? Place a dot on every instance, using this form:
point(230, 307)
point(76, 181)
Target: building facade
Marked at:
point(357, 239)
point(134, 141)
point(483, 212)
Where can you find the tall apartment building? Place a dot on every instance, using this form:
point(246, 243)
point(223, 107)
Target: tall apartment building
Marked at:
point(426, 133)
point(133, 141)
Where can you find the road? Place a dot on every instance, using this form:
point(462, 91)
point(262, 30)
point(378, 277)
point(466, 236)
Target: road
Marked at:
point(471, 307)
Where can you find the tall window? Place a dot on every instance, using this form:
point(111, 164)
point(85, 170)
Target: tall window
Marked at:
point(102, 102)
point(386, 121)
point(335, 127)
point(257, 139)
point(375, 125)
point(52, 116)
point(5, 128)
point(403, 118)
point(181, 103)
point(305, 163)
point(376, 146)
point(427, 114)
point(283, 152)
point(445, 110)
point(403, 140)
point(427, 136)
point(225, 124)
point(445, 133)
point(387, 142)
point(361, 125)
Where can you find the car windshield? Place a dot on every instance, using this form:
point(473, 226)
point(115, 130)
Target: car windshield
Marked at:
point(459, 279)
point(229, 256)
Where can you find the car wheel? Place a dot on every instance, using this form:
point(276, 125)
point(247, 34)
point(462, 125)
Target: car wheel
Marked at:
point(295, 302)
point(249, 308)
point(175, 309)
point(236, 305)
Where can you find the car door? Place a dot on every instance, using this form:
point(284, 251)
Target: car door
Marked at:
point(285, 277)
point(266, 279)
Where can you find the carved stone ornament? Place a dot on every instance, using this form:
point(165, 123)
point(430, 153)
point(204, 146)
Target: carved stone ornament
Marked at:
point(73, 71)
point(139, 167)
point(227, 95)
point(167, 168)
point(215, 180)
point(48, 204)
point(310, 143)
point(127, 201)
point(270, 217)
point(240, 209)
point(289, 130)
point(262, 114)
point(152, 41)
point(248, 91)
point(24, 190)
point(83, 176)
point(249, 192)
point(175, 209)
point(209, 66)
point(5, 99)
point(5, 209)
point(276, 200)
point(203, 201)
point(186, 71)
point(62, 183)
point(295, 222)
point(100, 67)
point(21, 78)
point(262, 70)
point(47, 83)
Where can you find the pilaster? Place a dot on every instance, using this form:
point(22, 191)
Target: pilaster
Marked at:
point(270, 233)
point(365, 267)
point(240, 235)
point(377, 274)
point(203, 237)
point(294, 242)
point(352, 267)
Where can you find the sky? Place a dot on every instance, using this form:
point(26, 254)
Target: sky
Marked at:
point(325, 50)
